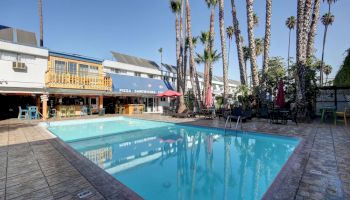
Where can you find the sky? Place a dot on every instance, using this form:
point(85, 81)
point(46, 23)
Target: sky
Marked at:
point(137, 27)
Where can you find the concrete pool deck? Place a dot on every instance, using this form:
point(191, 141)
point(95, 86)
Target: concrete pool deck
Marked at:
point(35, 165)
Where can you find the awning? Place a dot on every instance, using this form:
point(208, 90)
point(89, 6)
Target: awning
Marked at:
point(123, 84)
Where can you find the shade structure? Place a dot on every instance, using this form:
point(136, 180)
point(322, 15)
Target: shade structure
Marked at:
point(169, 93)
point(280, 101)
point(209, 98)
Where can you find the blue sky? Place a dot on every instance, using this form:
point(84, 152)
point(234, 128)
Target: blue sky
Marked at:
point(140, 28)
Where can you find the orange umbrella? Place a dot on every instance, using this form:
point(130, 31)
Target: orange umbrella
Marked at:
point(169, 93)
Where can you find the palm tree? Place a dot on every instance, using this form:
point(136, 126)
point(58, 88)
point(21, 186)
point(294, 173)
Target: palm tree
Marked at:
point(327, 70)
point(327, 20)
point(205, 39)
point(41, 23)
point(267, 38)
point(223, 49)
point(229, 34)
point(313, 29)
point(290, 23)
point(259, 46)
point(237, 31)
point(194, 42)
point(193, 71)
point(207, 56)
point(251, 37)
point(246, 55)
point(160, 50)
point(256, 20)
point(330, 2)
point(175, 6)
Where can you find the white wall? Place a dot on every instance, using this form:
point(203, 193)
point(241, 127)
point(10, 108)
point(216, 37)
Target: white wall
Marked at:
point(128, 67)
point(34, 58)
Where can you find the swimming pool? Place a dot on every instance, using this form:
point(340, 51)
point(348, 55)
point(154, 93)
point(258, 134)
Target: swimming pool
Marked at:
point(161, 160)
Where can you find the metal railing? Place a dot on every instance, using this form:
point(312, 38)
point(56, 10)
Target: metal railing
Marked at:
point(229, 120)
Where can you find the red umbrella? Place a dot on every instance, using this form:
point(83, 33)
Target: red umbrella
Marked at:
point(280, 101)
point(209, 98)
point(169, 93)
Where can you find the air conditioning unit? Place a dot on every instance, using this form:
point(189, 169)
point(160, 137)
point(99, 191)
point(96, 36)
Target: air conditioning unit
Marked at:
point(19, 66)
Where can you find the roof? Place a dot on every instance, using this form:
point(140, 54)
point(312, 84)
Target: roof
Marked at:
point(75, 57)
point(132, 60)
point(138, 85)
point(19, 36)
point(169, 68)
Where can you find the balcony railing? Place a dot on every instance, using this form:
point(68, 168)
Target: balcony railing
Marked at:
point(72, 81)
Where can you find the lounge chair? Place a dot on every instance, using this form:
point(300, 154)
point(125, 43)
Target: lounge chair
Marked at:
point(186, 114)
point(235, 114)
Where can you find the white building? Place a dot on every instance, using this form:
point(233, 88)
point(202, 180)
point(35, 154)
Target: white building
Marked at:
point(22, 70)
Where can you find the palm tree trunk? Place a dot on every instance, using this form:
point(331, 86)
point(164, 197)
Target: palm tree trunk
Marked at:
point(322, 59)
point(313, 29)
point(193, 71)
point(185, 68)
point(242, 67)
point(181, 106)
point(267, 38)
point(41, 23)
point(290, 30)
point(223, 49)
point(251, 37)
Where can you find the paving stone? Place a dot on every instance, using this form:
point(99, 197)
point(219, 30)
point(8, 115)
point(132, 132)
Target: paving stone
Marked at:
point(22, 178)
point(26, 188)
point(42, 194)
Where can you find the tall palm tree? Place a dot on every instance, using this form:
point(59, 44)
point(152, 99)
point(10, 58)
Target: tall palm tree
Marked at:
point(160, 50)
point(327, 69)
point(251, 37)
point(41, 23)
point(175, 6)
point(267, 38)
point(223, 49)
point(246, 55)
point(256, 20)
point(237, 31)
point(193, 71)
point(327, 20)
point(194, 42)
point(229, 34)
point(205, 40)
point(290, 23)
point(313, 29)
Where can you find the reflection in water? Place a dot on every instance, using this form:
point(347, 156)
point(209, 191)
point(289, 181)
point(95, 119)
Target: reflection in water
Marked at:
point(190, 163)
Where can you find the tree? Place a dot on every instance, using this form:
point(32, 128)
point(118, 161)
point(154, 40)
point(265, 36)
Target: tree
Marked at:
point(194, 42)
point(41, 23)
point(259, 46)
point(237, 32)
point(229, 34)
point(267, 38)
point(327, 20)
point(251, 37)
point(160, 50)
point(246, 55)
point(175, 6)
point(205, 40)
point(327, 69)
point(313, 28)
point(223, 49)
point(343, 75)
point(193, 71)
point(275, 72)
point(290, 23)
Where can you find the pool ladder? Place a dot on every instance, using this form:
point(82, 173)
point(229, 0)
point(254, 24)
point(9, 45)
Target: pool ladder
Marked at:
point(229, 120)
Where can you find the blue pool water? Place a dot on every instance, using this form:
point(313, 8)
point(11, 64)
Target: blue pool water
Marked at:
point(166, 161)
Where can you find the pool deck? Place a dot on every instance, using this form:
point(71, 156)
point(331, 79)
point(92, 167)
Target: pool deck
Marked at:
point(35, 165)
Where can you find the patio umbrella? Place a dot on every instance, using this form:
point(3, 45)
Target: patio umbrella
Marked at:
point(280, 101)
point(209, 98)
point(169, 93)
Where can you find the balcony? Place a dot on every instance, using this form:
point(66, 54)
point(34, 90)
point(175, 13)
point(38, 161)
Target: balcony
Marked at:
point(73, 81)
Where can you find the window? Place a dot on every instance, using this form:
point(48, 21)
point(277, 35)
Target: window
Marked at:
point(72, 68)
point(162, 99)
point(118, 71)
point(83, 70)
point(93, 70)
point(150, 75)
point(137, 73)
point(60, 66)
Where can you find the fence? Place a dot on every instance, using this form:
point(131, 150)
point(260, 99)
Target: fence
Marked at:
point(333, 96)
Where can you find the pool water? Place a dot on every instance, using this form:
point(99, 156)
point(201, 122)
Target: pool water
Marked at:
point(167, 161)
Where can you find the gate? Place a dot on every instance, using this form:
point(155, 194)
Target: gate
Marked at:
point(333, 96)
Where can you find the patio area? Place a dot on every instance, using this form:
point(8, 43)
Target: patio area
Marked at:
point(35, 165)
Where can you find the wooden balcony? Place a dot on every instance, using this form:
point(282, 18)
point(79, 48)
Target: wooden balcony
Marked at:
point(72, 81)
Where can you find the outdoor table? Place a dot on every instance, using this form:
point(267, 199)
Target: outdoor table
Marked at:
point(278, 116)
point(328, 109)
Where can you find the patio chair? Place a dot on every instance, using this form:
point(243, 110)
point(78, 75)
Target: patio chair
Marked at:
point(342, 114)
point(71, 111)
point(33, 112)
point(236, 113)
point(63, 112)
point(83, 111)
point(186, 114)
point(22, 113)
